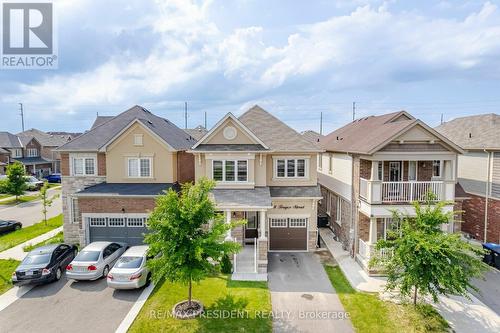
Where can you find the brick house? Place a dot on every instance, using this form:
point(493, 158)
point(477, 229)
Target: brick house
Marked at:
point(478, 173)
point(112, 174)
point(377, 164)
point(265, 172)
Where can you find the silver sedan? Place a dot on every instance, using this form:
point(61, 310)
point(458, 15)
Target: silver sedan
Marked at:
point(95, 260)
point(130, 271)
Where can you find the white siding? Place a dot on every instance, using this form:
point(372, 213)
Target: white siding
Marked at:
point(340, 180)
point(473, 166)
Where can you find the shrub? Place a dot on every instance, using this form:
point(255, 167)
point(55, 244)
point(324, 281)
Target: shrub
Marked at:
point(226, 266)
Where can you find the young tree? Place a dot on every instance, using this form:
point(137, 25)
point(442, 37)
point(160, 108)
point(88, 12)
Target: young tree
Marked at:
point(427, 260)
point(46, 200)
point(189, 236)
point(16, 181)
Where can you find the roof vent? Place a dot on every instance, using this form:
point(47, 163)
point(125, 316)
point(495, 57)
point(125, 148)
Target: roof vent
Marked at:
point(470, 135)
point(150, 122)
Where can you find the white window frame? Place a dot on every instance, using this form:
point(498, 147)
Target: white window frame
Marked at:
point(224, 179)
point(415, 163)
point(32, 152)
point(139, 159)
point(16, 153)
point(134, 224)
point(320, 161)
point(278, 222)
point(72, 207)
point(338, 211)
point(328, 203)
point(330, 163)
point(138, 140)
point(100, 221)
point(83, 158)
point(297, 222)
point(112, 222)
point(434, 162)
point(286, 159)
point(380, 170)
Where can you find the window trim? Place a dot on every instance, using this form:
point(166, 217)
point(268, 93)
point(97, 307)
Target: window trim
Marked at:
point(29, 152)
point(338, 211)
point(14, 153)
point(330, 163)
point(82, 157)
point(236, 170)
point(138, 140)
point(303, 220)
point(150, 159)
point(286, 159)
point(279, 224)
point(440, 168)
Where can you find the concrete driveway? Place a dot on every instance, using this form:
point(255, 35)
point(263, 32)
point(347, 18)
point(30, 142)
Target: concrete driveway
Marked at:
point(302, 296)
point(29, 213)
point(67, 306)
point(490, 290)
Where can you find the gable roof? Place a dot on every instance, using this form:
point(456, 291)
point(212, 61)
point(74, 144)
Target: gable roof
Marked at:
point(473, 132)
point(369, 134)
point(99, 120)
point(9, 140)
point(277, 135)
point(312, 136)
point(197, 133)
point(101, 135)
point(45, 139)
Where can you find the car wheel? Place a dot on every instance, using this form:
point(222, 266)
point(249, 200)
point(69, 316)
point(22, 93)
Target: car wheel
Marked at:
point(148, 280)
point(58, 274)
point(17, 227)
point(105, 272)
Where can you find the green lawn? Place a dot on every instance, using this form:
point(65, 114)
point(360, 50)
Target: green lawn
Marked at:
point(7, 267)
point(21, 199)
point(58, 238)
point(25, 234)
point(217, 294)
point(3, 195)
point(370, 314)
point(52, 185)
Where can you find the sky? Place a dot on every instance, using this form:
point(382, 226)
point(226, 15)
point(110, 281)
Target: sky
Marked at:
point(297, 59)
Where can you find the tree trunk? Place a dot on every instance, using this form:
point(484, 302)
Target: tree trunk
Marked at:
point(415, 296)
point(189, 295)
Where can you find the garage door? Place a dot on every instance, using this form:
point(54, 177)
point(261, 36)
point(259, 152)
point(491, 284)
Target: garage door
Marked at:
point(288, 234)
point(129, 230)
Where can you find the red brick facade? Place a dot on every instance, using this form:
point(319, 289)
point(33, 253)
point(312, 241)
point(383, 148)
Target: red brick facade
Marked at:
point(364, 227)
point(185, 167)
point(365, 169)
point(65, 164)
point(473, 216)
point(116, 205)
point(101, 164)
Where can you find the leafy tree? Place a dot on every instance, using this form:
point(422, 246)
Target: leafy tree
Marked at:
point(16, 181)
point(188, 235)
point(427, 260)
point(46, 200)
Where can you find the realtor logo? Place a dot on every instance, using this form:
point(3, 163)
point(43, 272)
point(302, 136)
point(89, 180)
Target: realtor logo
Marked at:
point(28, 40)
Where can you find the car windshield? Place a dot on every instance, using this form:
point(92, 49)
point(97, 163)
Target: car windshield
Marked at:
point(32, 179)
point(129, 262)
point(36, 259)
point(87, 256)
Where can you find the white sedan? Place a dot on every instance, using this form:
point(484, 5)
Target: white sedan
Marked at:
point(130, 271)
point(95, 260)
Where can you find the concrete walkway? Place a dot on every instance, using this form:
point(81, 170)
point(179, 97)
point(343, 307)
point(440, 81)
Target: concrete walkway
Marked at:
point(463, 315)
point(17, 252)
point(302, 296)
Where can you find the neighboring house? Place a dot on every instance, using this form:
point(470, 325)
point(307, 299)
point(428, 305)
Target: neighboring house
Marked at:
point(378, 164)
point(197, 133)
point(112, 174)
point(312, 136)
point(478, 172)
point(39, 152)
point(265, 172)
point(10, 148)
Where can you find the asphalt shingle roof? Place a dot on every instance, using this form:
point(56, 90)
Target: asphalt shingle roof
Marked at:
point(9, 140)
point(256, 197)
point(45, 139)
point(230, 147)
point(99, 136)
point(197, 132)
point(295, 191)
point(99, 120)
point(111, 189)
point(273, 132)
point(473, 132)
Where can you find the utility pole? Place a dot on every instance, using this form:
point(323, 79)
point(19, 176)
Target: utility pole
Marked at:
point(321, 123)
point(353, 111)
point(205, 119)
point(22, 114)
point(441, 119)
point(185, 114)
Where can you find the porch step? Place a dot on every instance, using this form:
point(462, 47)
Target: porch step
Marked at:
point(249, 276)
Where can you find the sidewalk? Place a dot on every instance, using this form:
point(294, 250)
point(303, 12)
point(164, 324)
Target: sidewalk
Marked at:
point(31, 193)
point(17, 252)
point(463, 315)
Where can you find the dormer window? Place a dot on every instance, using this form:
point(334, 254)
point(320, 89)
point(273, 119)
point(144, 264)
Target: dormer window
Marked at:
point(32, 152)
point(138, 139)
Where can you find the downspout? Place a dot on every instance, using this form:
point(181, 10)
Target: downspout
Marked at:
point(487, 196)
point(354, 210)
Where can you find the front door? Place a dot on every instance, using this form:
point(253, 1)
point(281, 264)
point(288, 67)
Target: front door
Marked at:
point(395, 171)
point(252, 226)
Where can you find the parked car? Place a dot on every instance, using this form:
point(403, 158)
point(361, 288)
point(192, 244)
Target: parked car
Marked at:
point(54, 178)
point(8, 226)
point(95, 260)
point(33, 183)
point(44, 264)
point(130, 271)
point(492, 256)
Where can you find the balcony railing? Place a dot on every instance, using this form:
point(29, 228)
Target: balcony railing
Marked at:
point(367, 251)
point(411, 191)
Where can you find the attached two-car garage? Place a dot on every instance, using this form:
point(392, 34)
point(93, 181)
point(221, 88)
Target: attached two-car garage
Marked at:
point(288, 233)
point(124, 228)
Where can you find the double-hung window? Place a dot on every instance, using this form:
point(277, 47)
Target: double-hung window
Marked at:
point(291, 168)
point(139, 167)
point(32, 152)
point(83, 166)
point(17, 153)
point(338, 211)
point(230, 170)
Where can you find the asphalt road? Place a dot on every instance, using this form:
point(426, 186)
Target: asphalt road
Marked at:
point(68, 306)
point(490, 290)
point(29, 213)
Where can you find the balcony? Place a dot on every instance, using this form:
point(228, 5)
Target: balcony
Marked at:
point(368, 251)
point(383, 192)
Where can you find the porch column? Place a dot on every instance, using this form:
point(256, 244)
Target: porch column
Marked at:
point(227, 214)
point(372, 237)
point(374, 175)
point(262, 221)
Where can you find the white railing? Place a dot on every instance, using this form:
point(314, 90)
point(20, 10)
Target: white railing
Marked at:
point(411, 191)
point(234, 259)
point(364, 249)
point(368, 250)
point(384, 253)
point(363, 188)
point(255, 254)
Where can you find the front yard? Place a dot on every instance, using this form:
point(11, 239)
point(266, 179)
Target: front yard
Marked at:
point(21, 199)
point(7, 267)
point(219, 296)
point(369, 313)
point(58, 238)
point(25, 234)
